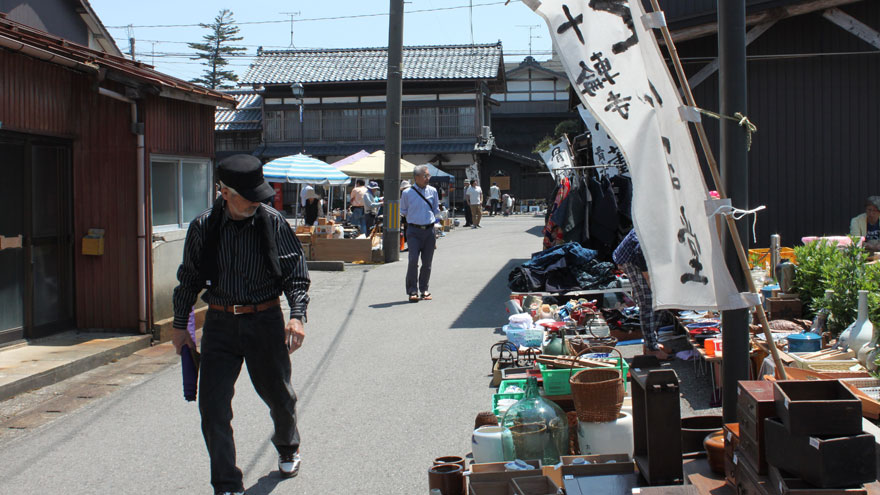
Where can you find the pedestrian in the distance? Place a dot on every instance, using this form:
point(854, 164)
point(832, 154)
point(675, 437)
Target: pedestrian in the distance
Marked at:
point(494, 199)
point(475, 201)
point(468, 218)
point(420, 206)
point(245, 255)
point(358, 218)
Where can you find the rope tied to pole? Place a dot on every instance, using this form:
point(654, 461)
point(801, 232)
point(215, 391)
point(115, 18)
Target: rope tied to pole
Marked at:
point(738, 214)
point(740, 119)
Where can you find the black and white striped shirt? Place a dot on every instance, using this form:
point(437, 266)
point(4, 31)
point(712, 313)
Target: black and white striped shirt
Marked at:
point(242, 276)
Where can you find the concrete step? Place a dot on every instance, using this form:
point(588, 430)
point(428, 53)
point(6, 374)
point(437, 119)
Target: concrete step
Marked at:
point(52, 359)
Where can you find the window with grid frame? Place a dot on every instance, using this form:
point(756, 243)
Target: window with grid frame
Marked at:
point(372, 123)
point(180, 188)
point(339, 123)
point(456, 122)
point(419, 122)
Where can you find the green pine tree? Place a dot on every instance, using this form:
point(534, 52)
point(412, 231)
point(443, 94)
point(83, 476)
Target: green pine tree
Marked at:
point(215, 49)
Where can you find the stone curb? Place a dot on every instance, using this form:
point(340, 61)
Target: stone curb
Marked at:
point(72, 368)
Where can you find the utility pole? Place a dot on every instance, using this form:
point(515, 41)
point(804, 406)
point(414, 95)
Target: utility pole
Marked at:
point(292, 15)
point(735, 174)
point(394, 91)
point(131, 41)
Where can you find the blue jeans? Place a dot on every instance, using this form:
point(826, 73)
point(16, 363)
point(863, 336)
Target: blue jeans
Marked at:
point(359, 219)
point(421, 243)
point(258, 340)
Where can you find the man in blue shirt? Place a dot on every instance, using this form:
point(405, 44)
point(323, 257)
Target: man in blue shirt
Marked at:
point(421, 207)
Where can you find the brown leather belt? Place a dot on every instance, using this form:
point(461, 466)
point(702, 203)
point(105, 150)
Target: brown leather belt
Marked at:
point(243, 309)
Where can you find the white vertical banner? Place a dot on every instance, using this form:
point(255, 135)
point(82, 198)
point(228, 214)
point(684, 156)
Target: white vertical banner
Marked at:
point(614, 64)
point(605, 150)
point(557, 157)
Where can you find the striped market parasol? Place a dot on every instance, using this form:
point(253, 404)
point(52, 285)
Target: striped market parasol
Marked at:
point(302, 169)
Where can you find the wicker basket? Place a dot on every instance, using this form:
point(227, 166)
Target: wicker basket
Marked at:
point(597, 394)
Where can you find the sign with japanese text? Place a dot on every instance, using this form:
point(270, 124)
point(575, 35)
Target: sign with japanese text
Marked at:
point(605, 150)
point(557, 157)
point(615, 66)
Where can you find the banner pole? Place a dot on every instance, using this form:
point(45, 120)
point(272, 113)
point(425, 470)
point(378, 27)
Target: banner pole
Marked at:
point(719, 186)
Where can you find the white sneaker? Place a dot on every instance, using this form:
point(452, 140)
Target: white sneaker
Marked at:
point(288, 464)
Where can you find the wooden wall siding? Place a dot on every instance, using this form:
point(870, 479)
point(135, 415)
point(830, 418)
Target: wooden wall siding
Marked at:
point(815, 156)
point(105, 196)
point(36, 96)
point(177, 127)
point(45, 99)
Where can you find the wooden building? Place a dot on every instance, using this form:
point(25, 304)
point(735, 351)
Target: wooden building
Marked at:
point(813, 68)
point(83, 136)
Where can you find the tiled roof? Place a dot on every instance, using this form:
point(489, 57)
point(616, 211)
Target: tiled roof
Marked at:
point(345, 149)
point(246, 116)
point(371, 64)
point(41, 45)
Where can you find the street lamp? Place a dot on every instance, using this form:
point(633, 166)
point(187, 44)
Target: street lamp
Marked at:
point(298, 91)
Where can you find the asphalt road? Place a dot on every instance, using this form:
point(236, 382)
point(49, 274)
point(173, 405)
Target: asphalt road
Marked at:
point(384, 386)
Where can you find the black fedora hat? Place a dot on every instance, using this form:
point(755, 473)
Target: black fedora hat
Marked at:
point(244, 173)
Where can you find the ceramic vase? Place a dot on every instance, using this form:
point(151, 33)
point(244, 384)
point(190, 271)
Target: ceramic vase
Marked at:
point(861, 332)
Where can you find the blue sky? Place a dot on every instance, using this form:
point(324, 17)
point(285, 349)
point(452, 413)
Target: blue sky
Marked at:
point(445, 22)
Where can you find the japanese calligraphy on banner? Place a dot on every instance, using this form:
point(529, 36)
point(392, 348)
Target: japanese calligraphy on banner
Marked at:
point(557, 157)
point(605, 150)
point(615, 65)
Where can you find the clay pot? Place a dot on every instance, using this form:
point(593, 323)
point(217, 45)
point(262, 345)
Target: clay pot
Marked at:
point(485, 418)
point(714, 444)
point(447, 478)
point(451, 459)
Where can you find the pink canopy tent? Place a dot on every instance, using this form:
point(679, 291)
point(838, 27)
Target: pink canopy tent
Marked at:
point(350, 159)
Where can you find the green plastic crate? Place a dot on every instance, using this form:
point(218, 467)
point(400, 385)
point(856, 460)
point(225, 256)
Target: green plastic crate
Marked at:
point(556, 380)
point(505, 384)
point(497, 397)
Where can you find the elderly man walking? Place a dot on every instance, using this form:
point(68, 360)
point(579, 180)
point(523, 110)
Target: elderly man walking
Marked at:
point(421, 207)
point(244, 255)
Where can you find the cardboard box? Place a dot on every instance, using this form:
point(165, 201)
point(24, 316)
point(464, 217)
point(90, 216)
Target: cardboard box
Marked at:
point(599, 466)
point(349, 250)
point(494, 472)
point(326, 229)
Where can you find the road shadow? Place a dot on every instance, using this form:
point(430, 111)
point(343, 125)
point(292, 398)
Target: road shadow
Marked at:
point(537, 231)
point(266, 484)
point(389, 304)
point(484, 310)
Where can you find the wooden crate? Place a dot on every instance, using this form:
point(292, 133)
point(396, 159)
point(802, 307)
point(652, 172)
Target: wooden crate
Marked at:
point(349, 250)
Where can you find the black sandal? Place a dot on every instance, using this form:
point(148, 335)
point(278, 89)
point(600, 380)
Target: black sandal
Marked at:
point(413, 298)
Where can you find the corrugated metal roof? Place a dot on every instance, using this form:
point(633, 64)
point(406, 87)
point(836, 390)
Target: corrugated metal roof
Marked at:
point(246, 116)
point(21, 38)
point(371, 64)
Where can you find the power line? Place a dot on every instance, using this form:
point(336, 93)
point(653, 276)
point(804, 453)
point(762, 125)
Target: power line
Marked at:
point(357, 16)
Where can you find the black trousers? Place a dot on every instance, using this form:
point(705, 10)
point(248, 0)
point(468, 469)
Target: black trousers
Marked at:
point(468, 217)
point(258, 340)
